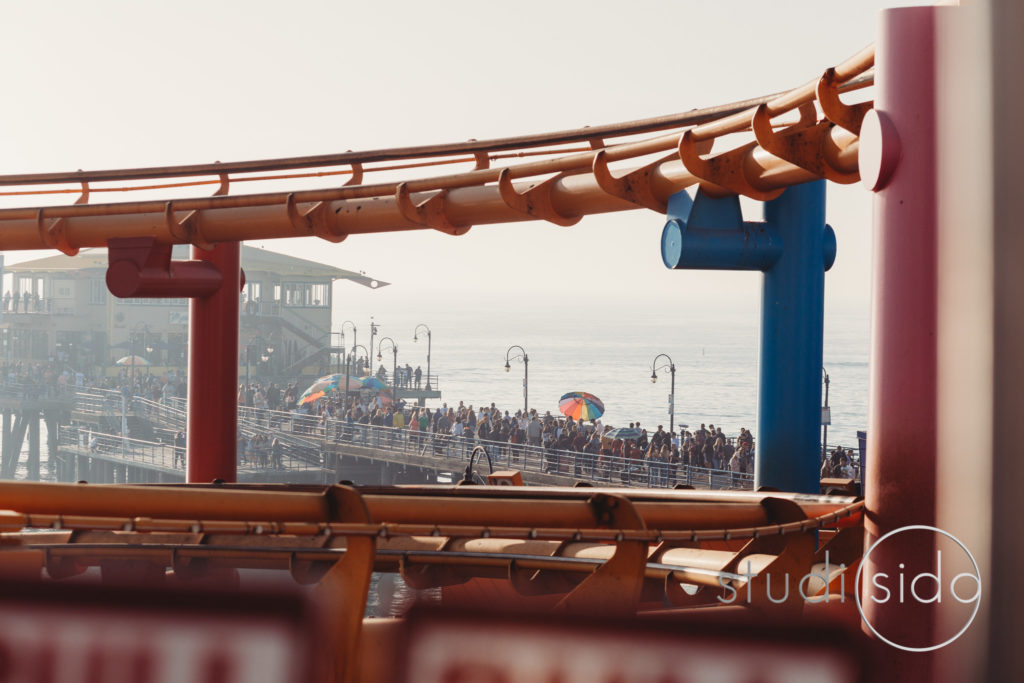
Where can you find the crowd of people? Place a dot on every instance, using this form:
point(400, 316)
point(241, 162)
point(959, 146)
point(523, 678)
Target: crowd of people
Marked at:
point(27, 301)
point(569, 446)
point(839, 464)
point(591, 446)
point(405, 376)
point(52, 378)
point(260, 450)
point(44, 378)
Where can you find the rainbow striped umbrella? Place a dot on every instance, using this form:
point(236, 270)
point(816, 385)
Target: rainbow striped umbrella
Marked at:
point(579, 405)
point(327, 385)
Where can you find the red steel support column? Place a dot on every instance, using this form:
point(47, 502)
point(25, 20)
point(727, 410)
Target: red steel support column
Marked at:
point(898, 143)
point(213, 371)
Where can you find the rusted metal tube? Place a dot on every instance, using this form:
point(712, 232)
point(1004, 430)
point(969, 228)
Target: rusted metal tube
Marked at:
point(88, 226)
point(572, 514)
point(140, 268)
point(555, 508)
point(686, 565)
point(172, 503)
point(777, 103)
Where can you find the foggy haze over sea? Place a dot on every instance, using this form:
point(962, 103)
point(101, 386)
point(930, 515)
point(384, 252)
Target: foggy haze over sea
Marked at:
point(577, 349)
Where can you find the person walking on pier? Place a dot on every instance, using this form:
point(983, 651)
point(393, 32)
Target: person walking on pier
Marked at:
point(398, 423)
point(276, 452)
point(179, 449)
point(533, 431)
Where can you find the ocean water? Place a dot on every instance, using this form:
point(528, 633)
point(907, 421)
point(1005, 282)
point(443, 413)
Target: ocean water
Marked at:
point(716, 359)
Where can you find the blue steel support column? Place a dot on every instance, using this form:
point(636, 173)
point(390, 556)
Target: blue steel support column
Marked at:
point(792, 336)
point(794, 248)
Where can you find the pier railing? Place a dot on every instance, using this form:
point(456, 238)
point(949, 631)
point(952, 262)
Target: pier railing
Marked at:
point(454, 451)
point(170, 457)
point(130, 451)
point(303, 438)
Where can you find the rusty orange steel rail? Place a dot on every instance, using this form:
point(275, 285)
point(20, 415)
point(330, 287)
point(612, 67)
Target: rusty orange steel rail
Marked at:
point(560, 190)
point(598, 552)
point(475, 528)
point(529, 507)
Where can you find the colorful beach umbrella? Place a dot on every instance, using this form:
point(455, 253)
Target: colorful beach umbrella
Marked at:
point(132, 360)
point(623, 433)
point(579, 405)
point(373, 383)
point(327, 385)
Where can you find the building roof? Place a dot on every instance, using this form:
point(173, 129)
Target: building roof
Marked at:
point(253, 259)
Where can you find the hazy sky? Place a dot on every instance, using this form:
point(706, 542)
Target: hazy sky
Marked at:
point(117, 84)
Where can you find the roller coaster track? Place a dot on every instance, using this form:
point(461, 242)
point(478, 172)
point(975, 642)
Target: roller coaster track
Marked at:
point(572, 176)
point(605, 552)
point(685, 535)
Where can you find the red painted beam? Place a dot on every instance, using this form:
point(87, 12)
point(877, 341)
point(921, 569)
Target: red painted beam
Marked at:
point(213, 371)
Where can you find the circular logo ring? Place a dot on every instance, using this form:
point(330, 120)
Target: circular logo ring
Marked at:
point(922, 527)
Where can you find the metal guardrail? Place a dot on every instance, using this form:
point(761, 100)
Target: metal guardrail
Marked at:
point(131, 451)
point(99, 402)
point(167, 456)
point(304, 452)
point(303, 438)
point(455, 452)
point(411, 385)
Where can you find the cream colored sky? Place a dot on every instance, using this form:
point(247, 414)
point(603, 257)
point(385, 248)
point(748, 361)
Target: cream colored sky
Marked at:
point(114, 84)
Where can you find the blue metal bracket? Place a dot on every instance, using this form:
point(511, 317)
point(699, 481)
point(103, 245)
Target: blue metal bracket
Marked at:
point(710, 234)
point(793, 247)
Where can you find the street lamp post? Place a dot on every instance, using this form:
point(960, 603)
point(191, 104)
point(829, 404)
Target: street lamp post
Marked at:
point(365, 352)
point(344, 413)
point(347, 372)
point(343, 377)
point(268, 351)
point(355, 340)
point(826, 417)
point(394, 354)
point(145, 345)
point(672, 396)
point(265, 352)
point(340, 346)
point(526, 372)
point(373, 333)
point(414, 338)
point(355, 357)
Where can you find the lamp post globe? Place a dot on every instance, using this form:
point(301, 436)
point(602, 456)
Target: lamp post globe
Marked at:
point(394, 352)
point(671, 366)
point(526, 372)
point(414, 338)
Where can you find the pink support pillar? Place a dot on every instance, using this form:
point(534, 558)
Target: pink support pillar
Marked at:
point(213, 371)
point(898, 163)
